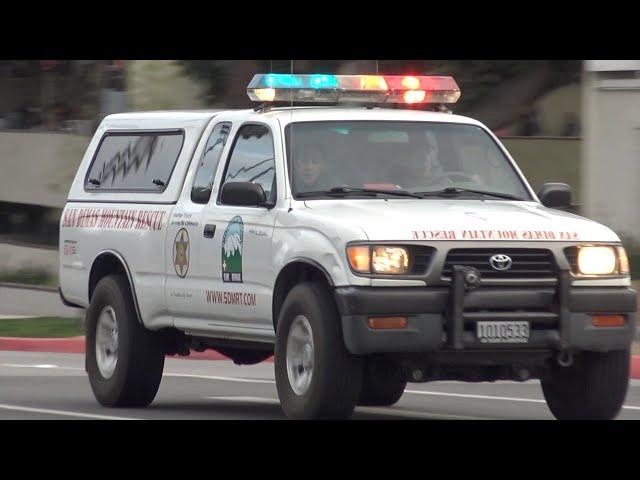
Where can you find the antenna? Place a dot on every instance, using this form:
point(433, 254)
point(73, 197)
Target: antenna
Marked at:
point(291, 93)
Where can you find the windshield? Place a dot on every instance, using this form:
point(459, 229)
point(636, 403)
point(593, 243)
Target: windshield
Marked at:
point(399, 156)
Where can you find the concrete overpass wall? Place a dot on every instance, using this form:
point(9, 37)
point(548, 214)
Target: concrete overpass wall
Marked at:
point(38, 168)
point(611, 146)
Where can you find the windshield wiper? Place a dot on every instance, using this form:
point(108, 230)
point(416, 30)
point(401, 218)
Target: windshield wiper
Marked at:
point(458, 190)
point(340, 191)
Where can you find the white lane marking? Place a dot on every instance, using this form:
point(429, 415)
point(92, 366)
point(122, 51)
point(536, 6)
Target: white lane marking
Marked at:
point(489, 397)
point(382, 411)
point(264, 400)
point(44, 365)
point(416, 414)
point(480, 397)
point(212, 377)
point(62, 412)
point(11, 317)
point(185, 375)
point(17, 365)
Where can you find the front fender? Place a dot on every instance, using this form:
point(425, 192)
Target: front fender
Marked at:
point(324, 245)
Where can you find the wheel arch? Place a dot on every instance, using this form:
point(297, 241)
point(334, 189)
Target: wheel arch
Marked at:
point(295, 271)
point(111, 262)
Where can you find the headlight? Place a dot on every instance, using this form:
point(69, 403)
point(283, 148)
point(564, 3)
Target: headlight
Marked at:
point(597, 260)
point(380, 259)
point(390, 260)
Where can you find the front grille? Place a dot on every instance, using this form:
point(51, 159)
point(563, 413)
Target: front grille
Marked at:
point(421, 262)
point(528, 263)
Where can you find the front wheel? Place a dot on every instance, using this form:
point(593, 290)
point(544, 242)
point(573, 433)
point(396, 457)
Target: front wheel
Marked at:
point(124, 360)
point(593, 388)
point(382, 383)
point(316, 377)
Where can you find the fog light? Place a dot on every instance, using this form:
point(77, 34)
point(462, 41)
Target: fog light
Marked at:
point(607, 320)
point(387, 323)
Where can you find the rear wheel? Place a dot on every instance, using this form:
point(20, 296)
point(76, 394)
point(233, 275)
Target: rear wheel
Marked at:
point(593, 388)
point(316, 377)
point(124, 360)
point(382, 383)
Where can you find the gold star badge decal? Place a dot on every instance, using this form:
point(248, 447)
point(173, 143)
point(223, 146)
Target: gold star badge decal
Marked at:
point(181, 253)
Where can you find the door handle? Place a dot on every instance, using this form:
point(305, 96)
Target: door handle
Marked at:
point(209, 231)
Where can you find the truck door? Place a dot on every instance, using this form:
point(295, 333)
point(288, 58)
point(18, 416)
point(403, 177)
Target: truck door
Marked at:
point(238, 262)
point(188, 246)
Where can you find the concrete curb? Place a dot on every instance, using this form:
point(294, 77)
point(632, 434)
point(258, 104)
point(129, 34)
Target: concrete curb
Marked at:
point(76, 345)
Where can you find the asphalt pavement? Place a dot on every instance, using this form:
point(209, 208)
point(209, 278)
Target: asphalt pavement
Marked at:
point(55, 386)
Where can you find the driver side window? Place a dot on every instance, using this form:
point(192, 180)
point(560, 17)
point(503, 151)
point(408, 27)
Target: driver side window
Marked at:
point(205, 175)
point(252, 159)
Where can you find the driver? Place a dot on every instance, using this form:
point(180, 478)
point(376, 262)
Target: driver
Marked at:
point(309, 166)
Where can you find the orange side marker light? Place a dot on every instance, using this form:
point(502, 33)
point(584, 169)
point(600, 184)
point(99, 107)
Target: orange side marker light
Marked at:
point(387, 323)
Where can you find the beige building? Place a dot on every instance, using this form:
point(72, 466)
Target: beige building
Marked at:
point(611, 144)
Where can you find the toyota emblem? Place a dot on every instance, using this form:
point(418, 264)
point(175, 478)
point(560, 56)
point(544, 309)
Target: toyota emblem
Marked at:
point(500, 262)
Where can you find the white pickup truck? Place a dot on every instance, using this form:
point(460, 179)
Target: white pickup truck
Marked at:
point(365, 245)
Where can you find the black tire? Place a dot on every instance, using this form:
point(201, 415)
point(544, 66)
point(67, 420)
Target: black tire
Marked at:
point(382, 383)
point(593, 388)
point(140, 362)
point(337, 375)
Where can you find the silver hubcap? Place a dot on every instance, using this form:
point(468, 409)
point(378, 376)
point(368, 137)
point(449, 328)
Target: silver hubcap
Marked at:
point(300, 355)
point(107, 342)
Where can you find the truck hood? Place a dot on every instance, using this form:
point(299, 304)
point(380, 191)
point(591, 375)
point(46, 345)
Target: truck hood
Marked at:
point(477, 220)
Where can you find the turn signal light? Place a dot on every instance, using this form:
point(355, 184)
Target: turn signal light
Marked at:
point(359, 258)
point(387, 323)
point(607, 320)
point(623, 261)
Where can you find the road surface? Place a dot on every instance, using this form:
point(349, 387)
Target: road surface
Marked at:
point(55, 386)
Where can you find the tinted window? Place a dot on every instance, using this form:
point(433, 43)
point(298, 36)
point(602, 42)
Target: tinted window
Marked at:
point(135, 161)
point(252, 159)
point(203, 182)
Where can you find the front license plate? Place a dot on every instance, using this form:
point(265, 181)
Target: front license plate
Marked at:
point(503, 332)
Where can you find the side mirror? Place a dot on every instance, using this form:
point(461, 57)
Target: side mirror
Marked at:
point(200, 195)
point(555, 195)
point(244, 194)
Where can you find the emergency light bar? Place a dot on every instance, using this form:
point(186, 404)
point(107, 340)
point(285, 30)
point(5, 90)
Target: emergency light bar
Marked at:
point(276, 87)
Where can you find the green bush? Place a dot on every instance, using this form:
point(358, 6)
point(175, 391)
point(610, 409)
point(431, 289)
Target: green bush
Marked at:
point(28, 276)
point(42, 327)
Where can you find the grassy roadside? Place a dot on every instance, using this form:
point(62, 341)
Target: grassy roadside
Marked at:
point(41, 327)
point(29, 276)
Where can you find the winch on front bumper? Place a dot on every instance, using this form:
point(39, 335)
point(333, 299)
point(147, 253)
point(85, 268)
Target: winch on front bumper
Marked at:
point(441, 319)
